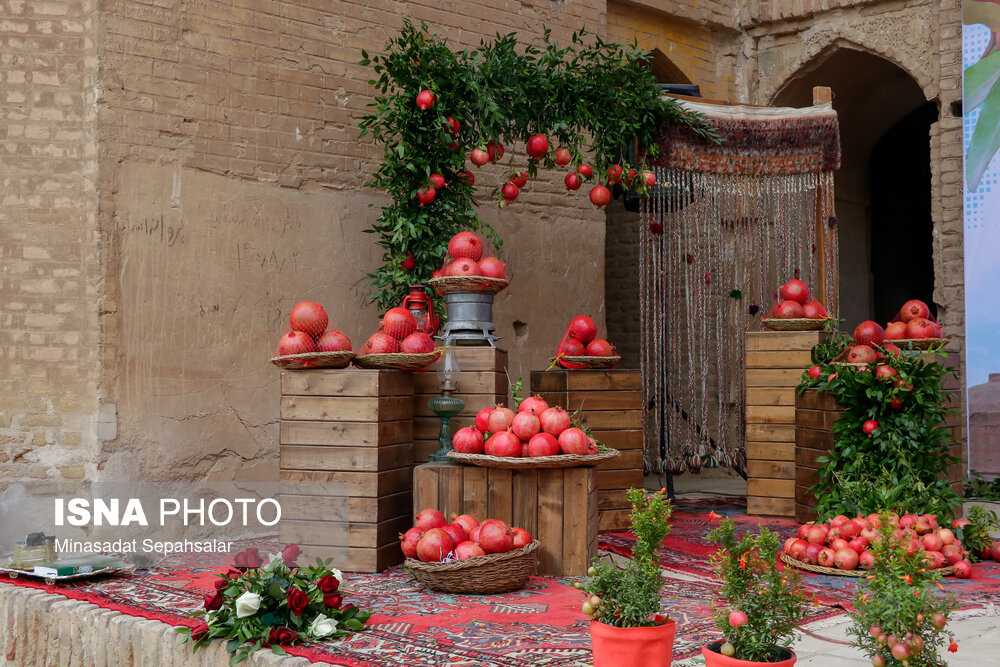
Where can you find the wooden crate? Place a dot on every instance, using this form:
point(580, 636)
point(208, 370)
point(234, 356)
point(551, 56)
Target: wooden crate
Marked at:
point(482, 383)
point(774, 364)
point(346, 459)
point(610, 403)
point(557, 506)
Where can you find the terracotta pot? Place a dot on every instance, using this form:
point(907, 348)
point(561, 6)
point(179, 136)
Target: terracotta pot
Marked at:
point(630, 647)
point(715, 659)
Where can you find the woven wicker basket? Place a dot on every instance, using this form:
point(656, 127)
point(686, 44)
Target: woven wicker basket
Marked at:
point(795, 324)
point(819, 569)
point(398, 360)
point(530, 462)
point(294, 362)
point(481, 575)
point(589, 362)
point(918, 343)
point(450, 284)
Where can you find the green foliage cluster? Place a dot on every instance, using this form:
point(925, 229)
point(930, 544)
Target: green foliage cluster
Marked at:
point(975, 535)
point(978, 487)
point(900, 600)
point(772, 600)
point(590, 96)
point(900, 466)
point(630, 595)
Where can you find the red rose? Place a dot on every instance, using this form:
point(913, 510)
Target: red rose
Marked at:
point(297, 601)
point(333, 600)
point(213, 601)
point(328, 584)
point(221, 583)
point(290, 553)
point(282, 636)
point(248, 559)
point(198, 631)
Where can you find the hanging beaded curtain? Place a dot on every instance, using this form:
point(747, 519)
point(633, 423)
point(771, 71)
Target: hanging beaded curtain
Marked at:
point(725, 225)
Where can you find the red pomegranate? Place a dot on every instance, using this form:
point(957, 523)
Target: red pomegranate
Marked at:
point(463, 267)
point(434, 545)
point(866, 560)
point(615, 173)
point(437, 180)
point(525, 425)
point(787, 546)
point(519, 178)
point(467, 550)
point(296, 342)
point(963, 569)
point(788, 310)
point(895, 331)
point(868, 333)
point(467, 521)
point(491, 267)
point(426, 195)
point(495, 151)
point(582, 328)
point(521, 538)
point(920, 328)
point(453, 125)
point(495, 536)
point(826, 557)
point(537, 146)
point(429, 518)
point(481, 417)
point(509, 192)
point(600, 348)
point(309, 317)
point(869, 427)
point(479, 157)
point(585, 170)
point(933, 542)
point(573, 441)
point(814, 310)
point(398, 323)
point(417, 343)
point(467, 441)
point(600, 196)
point(562, 156)
point(573, 181)
point(885, 372)
point(554, 421)
point(425, 100)
point(890, 348)
point(798, 549)
point(499, 420)
point(795, 290)
point(817, 534)
point(466, 177)
point(846, 559)
point(571, 347)
point(536, 405)
point(333, 341)
point(812, 553)
point(913, 310)
point(543, 444)
point(503, 444)
point(861, 354)
point(379, 343)
point(649, 178)
point(456, 532)
point(408, 542)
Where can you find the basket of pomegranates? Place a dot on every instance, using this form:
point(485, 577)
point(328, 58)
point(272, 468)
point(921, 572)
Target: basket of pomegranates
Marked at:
point(536, 436)
point(840, 546)
point(398, 345)
point(466, 270)
point(306, 342)
point(466, 556)
point(580, 348)
point(914, 327)
point(796, 309)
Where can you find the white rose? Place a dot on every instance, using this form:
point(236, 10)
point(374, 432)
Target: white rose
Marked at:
point(322, 626)
point(247, 604)
point(337, 573)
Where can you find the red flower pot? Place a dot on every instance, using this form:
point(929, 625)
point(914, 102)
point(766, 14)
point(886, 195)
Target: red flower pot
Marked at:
point(715, 659)
point(630, 647)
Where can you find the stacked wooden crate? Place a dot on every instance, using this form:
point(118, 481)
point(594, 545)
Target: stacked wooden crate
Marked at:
point(774, 364)
point(610, 404)
point(346, 459)
point(558, 506)
point(482, 383)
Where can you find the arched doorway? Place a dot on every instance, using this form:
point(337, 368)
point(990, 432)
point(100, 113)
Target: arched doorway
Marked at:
point(883, 186)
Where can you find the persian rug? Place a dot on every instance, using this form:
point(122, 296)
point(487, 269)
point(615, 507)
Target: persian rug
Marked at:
point(540, 624)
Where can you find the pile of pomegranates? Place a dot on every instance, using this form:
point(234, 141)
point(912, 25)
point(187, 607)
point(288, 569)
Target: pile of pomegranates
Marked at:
point(307, 332)
point(432, 539)
point(534, 430)
point(795, 301)
point(913, 322)
point(465, 258)
point(398, 334)
point(580, 340)
point(842, 543)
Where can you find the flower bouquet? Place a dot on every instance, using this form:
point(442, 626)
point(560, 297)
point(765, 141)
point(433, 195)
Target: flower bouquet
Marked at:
point(258, 606)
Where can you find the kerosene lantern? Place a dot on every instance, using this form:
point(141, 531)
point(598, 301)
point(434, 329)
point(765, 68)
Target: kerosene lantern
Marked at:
point(418, 303)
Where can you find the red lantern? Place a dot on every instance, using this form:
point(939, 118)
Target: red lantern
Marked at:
point(418, 303)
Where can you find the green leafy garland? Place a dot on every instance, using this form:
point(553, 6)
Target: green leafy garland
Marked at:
point(499, 92)
point(899, 466)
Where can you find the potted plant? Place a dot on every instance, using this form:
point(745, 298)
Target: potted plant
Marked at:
point(761, 604)
point(900, 617)
point(628, 627)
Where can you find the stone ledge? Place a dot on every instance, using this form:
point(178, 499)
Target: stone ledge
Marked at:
point(47, 630)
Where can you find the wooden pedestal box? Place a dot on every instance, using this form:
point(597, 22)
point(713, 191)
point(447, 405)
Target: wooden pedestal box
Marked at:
point(346, 459)
point(482, 383)
point(774, 364)
point(610, 404)
point(558, 506)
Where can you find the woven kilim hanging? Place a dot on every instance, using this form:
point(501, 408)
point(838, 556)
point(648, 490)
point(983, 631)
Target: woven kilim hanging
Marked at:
point(724, 226)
